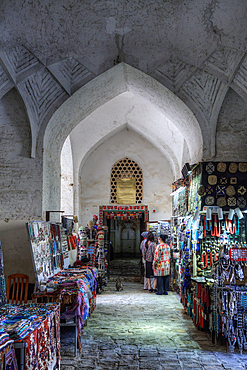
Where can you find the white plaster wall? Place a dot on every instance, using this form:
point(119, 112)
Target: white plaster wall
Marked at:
point(20, 175)
point(231, 134)
point(141, 115)
point(95, 175)
point(67, 198)
point(16, 249)
point(95, 94)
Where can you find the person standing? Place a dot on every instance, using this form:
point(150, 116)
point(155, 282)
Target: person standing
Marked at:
point(142, 246)
point(149, 250)
point(161, 265)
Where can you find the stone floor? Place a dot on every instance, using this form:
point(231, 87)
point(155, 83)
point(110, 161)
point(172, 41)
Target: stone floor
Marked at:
point(134, 329)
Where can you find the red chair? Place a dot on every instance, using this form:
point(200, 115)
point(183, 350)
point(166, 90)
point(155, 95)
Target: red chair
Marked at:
point(19, 284)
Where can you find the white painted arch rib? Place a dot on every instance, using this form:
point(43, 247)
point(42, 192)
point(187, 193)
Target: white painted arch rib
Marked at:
point(111, 84)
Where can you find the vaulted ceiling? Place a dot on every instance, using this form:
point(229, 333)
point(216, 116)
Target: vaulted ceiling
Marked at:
point(197, 49)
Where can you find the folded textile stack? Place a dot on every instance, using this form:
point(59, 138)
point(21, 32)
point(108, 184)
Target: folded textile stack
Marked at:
point(19, 321)
point(4, 339)
point(38, 325)
point(77, 287)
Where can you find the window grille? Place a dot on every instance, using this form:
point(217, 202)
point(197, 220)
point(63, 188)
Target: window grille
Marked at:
point(126, 168)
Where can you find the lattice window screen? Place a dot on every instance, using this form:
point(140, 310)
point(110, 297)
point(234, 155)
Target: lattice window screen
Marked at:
point(126, 168)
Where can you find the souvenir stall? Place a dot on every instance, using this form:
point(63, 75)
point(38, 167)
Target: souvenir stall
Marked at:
point(92, 249)
point(96, 250)
point(184, 202)
point(74, 289)
point(31, 334)
point(47, 243)
point(209, 230)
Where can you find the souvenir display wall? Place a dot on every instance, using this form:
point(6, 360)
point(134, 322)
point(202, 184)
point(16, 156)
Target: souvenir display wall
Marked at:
point(75, 290)
point(224, 185)
point(185, 201)
point(210, 237)
point(194, 198)
point(46, 248)
point(89, 247)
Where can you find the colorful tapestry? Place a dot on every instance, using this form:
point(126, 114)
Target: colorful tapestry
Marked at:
point(224, 184)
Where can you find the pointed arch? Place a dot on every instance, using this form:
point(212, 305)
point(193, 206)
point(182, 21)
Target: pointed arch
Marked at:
point(170, 118)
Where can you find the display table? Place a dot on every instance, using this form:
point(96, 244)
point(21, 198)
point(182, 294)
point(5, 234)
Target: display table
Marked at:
point(75, 291)
point(34, 330)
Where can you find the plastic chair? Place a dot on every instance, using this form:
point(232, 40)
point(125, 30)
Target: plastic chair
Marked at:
point(19, 284)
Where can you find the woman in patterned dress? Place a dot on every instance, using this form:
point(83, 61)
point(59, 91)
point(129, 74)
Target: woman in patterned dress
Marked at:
point(161, 265)
point(148, 255)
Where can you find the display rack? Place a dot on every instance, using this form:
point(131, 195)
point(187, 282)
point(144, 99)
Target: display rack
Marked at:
point(82, 244)
point(100, 253)
point(209, 232)
point(65, 249)
point(47, 243)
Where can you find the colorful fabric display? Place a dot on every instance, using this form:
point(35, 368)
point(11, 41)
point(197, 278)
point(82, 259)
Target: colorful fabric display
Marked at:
point(80, 284)
point(38, 326)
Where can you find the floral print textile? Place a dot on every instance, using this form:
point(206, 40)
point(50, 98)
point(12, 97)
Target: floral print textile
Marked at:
point(161, 263)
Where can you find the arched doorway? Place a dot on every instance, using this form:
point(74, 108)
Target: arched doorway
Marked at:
point(128, 238)
point(125, 238)
point(122, 98)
